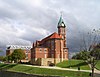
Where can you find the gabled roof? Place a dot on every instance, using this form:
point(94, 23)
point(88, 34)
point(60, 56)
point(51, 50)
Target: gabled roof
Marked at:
point(55, 35)
point(52, 36)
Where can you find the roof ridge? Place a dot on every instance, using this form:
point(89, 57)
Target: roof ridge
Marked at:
point(53, 35)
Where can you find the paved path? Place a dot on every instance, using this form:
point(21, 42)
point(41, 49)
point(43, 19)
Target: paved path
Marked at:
point(97, 72)
point(54, 67)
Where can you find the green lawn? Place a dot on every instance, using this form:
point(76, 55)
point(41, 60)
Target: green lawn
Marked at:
point(74, 64)
point(43, 71)
point(98, 65)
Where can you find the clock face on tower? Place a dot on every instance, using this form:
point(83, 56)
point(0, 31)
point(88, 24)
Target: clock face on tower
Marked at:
point(62, 24)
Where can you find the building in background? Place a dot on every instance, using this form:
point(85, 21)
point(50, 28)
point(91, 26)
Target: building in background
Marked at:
point(26, 50)
point(52, 49)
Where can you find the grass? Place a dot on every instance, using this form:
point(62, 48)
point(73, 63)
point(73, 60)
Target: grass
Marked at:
point(43, 71)
point(98, 65)
point(6, 66)
point(74, 64)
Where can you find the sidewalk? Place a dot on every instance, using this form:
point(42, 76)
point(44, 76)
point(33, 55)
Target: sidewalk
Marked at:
point(97, 72)
point(54, 67)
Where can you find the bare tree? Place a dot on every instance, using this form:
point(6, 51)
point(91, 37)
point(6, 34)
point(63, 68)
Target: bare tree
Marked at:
point(89, 41)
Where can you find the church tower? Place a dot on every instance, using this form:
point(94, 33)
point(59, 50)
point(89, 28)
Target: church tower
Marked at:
point(62, 29)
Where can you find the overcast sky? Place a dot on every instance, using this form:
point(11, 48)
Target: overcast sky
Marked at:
point(24, 21)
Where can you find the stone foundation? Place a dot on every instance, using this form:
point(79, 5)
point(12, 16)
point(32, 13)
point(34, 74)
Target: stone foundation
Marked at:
point(46, 61)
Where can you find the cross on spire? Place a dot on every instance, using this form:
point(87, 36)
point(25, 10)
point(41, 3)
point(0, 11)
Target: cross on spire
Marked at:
point(61, 13)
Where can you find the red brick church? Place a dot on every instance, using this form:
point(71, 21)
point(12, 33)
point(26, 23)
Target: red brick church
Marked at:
point(51, 49)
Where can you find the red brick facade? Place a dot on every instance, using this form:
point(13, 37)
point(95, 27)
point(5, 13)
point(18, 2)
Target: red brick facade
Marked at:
point(52, 49)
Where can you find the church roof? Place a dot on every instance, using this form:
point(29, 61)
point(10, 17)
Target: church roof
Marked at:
point(52, 36)
point(55, 35)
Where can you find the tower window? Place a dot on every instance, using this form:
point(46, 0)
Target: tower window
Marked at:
point(58, 56)
point(52, 55)
point(52, 44)
point(40, 49)
point(45, 55)
point(65, 50)
point(45, 50)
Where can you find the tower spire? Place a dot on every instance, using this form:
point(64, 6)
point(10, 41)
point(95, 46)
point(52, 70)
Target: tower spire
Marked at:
point(61, 22)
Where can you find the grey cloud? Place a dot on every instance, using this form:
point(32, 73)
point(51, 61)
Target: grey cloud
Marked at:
point(25, 21)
